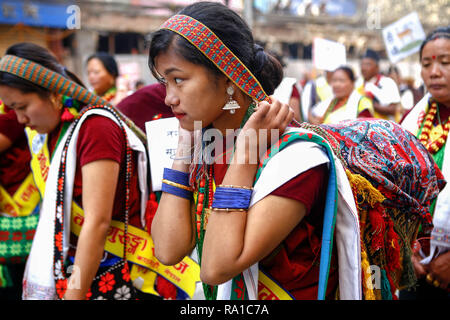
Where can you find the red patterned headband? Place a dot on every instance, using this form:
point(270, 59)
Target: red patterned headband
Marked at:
point(212, 47)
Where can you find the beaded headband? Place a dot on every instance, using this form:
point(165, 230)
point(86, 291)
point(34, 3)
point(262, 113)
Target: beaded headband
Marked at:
point(48, 79)
point(215, 50)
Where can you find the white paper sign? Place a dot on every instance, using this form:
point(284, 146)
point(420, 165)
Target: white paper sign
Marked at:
point(284, 90)
point(328, 55)
point(403, 37)
point(162, 139)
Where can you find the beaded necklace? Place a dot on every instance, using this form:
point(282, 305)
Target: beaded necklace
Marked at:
point(203, 202)
point(110, 94)
point(433, 145)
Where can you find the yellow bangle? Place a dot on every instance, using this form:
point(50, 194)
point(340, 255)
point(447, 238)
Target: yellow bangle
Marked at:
point(177, 185)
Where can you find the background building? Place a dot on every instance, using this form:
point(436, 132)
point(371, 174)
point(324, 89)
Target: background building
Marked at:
point(75, 29)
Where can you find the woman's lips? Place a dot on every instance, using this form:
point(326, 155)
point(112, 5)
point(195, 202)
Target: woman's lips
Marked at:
point(179, 115)
point(436, 86)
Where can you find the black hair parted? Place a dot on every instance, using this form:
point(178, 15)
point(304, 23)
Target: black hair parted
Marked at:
point(107, 61)
point(348, 71)
point(438, 33)
point(234, 33)
point(40, 55)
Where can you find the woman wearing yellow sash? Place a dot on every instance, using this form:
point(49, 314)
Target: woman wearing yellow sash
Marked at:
point(86, 159)
point(19, 199)
point(345, 103)
point(429, 120)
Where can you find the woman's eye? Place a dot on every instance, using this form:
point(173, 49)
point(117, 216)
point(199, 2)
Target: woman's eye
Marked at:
point(178, 80)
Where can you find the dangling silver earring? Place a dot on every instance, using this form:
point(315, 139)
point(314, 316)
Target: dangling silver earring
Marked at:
point(232, 104)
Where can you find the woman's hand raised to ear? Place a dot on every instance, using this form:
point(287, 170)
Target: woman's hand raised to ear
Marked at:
point(266, 124)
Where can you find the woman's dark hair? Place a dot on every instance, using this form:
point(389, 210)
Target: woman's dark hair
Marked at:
point(40, 55)
point(438, 33)
point(234, 33)
point(348, 71)
point(108, 62)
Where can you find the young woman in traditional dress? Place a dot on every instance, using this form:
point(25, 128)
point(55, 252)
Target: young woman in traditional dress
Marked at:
point(429, 121)
point(104, 175)
point(265, 229)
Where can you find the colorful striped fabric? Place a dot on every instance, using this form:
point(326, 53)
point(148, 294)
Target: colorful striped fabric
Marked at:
point(48, 79)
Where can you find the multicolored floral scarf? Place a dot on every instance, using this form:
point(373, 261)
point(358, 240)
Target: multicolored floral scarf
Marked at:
point(394, 181)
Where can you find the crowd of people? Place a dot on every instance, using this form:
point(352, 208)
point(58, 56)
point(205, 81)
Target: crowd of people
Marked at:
point(347, 198)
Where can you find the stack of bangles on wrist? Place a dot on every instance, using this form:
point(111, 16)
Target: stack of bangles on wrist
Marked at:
point(232, 198)
point(177, 183)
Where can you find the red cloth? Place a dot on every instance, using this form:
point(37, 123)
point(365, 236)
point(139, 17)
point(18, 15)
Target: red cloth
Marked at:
point(295, 93)
point(101, 138)
point(145, 104)
point(295, 264)
point(15, 161)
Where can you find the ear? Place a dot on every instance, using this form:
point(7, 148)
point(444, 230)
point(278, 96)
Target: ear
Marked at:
point(56, 99)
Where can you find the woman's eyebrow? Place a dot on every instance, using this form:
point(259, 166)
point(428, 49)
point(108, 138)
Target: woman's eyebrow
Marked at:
point(169, 70)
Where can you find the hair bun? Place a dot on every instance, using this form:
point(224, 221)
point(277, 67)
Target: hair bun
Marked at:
point(259, 58)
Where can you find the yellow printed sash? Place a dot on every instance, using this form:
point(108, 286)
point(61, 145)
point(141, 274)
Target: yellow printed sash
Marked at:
point(140, 251)
point(26, 197)
point(140, 248)
point(40, 158)
point(24, 200)
point(269, 290)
